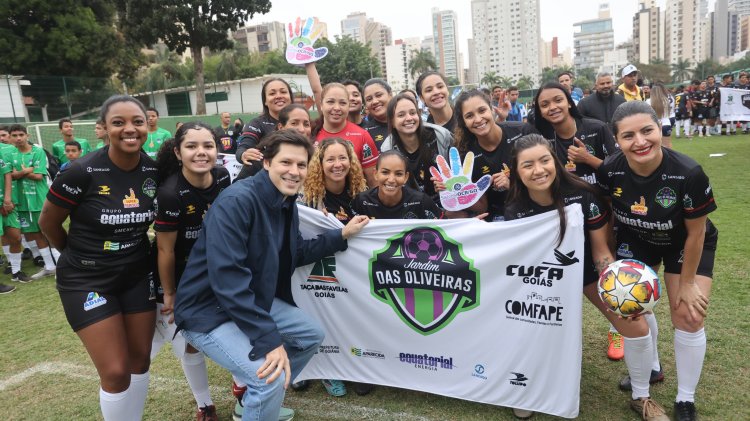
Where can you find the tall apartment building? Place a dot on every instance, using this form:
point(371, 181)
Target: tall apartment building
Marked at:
point(367, 31)
point(261, 38)
point(684, 38)
point(648, 32)
point(506, 36)
point(397, 58)
point(591, 39)
point(445, 41)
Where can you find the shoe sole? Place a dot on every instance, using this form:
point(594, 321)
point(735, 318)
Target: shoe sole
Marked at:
point(7, 292)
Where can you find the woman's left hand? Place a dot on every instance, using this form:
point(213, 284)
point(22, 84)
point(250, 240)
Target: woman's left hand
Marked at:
point(500, 181)
point(690, 295)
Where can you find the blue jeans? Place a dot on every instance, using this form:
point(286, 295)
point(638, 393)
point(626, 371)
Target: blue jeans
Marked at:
point(229, 347)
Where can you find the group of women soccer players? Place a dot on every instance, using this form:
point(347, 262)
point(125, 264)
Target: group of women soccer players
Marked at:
point(658, 200)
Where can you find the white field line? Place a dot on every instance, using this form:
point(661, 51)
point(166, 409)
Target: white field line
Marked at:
point(325, 409)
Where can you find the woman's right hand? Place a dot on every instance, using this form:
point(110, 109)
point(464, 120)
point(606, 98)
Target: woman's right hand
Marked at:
point(251, 154)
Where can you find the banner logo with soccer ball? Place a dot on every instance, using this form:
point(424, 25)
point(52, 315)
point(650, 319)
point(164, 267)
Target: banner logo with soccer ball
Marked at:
point(425, 277)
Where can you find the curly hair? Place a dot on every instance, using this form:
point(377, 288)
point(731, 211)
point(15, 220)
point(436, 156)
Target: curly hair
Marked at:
point(315, 186)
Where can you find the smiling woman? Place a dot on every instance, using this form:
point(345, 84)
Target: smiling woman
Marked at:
point(432, 87)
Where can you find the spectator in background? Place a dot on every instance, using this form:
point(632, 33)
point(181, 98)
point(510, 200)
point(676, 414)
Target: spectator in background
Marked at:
point(646, 88)
point(226, 139)
point(72, 152)
point(602, 104)
point(628, 89)
point(497, 95)
point(66, 129)
point(517, 110)
point(11, 229)
point(101, 135)
point(682, 112)
point(156, 135)
point(566, 79)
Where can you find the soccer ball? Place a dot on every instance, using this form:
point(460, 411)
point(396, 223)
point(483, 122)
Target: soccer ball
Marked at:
point(423, 245)
point(629, 287)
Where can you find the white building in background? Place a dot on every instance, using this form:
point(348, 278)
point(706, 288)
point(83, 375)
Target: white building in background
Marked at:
point(591, 39)
point(397, 57)
point(445, 41)
point(12, 106)
point(261, 38)
point(365, 30)
point(648, 32)
point(355, 26)
point(684, 38)
point(614, 61)
point(506, 36)
point(428, 44)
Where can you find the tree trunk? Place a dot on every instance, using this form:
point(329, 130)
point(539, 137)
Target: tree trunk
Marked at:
point(200, 88)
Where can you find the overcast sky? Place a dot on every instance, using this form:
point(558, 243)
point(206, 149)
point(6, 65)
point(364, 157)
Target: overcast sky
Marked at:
point(414, 19)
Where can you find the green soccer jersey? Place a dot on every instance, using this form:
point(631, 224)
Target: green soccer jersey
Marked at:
point(58, 149)
point(99, 146)
point(6, 166)
point(31, 193)
point(154, 141)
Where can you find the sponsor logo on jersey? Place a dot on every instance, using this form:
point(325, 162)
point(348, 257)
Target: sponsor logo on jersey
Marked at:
point(545, 273)
point(590, 149)
point(130, 201)
point(518, 379)
point(367, 353)
point(666, 197)
point(426, 361)
point(708, 189)
point(594, 211)
point(639, 223)
point(672, 177)
point(328, 349)
point(72, 190)
point(104, 190)
point(617, 192)
point(639, 208)
point(111, 246)
point(322, 280)
point(126, 218)
point(479, 371)
point(570, 166)
point(96, 169)
point(427, 261)
point(149, 187)
point(624, 251)
point(93, 300)
point(485, 169)
point(366, 151)
point(687, 202)
point(589, 178)
point(190, 209)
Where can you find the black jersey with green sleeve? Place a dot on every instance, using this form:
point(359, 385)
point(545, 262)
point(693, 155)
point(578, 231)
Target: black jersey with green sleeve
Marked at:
point(181, 207)
point(495, 161)
point(654, 208)
point(596, 215)
point(599, 142)
point(414, 205)
point(110, 210)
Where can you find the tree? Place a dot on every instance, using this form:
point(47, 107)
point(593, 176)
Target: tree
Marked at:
point(706, 68)
point(490, 79)
point(681, 70)
point(525, 82)
point(656, 71)
point(347, 59)
point(421, 61)
point(506, 82)
point(187, 24)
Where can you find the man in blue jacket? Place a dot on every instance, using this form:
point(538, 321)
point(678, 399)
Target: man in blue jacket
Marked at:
point(234, 299)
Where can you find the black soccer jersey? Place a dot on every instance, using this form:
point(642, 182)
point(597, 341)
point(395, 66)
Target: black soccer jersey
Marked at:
point(339, 205)
point(449, 125)
point(110, 210)
point(493, 162)
point(654, 208)
point(419, 172)
point(598, 140)
point(378, 131)
point(414, 205)
point(596, 215)
point(251, 135)
point(681, 103)
point(226, 139)
point(181, 207)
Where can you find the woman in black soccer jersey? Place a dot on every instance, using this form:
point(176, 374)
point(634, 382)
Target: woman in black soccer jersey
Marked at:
point(420, 142)
point(191, 181)
point(377, 95)
point(539, 183)
point(477, 132)
point(102, 274)
point(581, 143)
point(661, 200)
point(432, 88)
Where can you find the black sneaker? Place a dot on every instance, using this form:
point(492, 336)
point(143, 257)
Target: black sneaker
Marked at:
point(363, 389)
point(656, 377)
point(685, 411)
point(39, 261)
point(6, 289)
point(26, 255)
point(21, 277)
point(301, 385)
point(8, 269)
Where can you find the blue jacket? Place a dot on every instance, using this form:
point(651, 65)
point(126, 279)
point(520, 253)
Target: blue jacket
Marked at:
point(233, 268)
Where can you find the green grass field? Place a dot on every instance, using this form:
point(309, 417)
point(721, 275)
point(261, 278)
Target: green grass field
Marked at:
point(45, 373)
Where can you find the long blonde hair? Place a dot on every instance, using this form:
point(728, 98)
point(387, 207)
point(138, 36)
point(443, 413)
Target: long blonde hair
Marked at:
point(315, 186)
point(660, 100)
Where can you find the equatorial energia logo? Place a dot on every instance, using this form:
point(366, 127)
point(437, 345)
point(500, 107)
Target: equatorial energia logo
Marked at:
point(425, 277)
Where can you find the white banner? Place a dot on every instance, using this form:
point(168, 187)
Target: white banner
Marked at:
point(487, 312)
point(229, 161)
point(735, 104)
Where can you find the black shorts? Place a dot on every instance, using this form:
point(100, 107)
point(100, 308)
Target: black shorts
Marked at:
point(713, 113)
point(131, 291)
point(631, 247)
point(666, 131)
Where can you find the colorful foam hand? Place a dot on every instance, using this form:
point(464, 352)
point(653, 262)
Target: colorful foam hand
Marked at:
point(460, 192)
point(300, 38)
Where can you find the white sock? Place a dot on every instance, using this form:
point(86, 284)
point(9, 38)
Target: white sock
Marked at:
point(33, 247)
point(15, 262)
point(612, 328)
point(654, 328)
point(24, 244)
point(638, 355)
point(6, 250)
point(137, 397)
point(49, 264)
point(55, 254)
point(689, 352)
point(114, 405)
point(194, 366)
point(700, 129)
point(238, 382)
